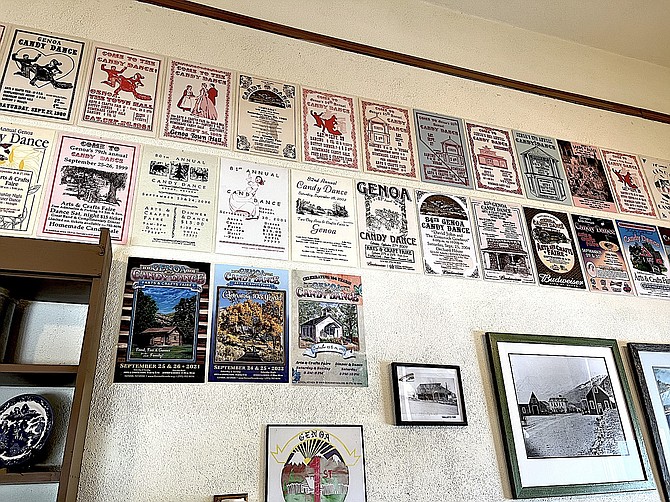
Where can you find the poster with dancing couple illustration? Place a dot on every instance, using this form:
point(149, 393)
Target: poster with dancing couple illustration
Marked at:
point(41, 74)
point(249, 334)
point(253, 210)
point(175, 203)
point(197, 104)
point(328, 341)
point(24, 159)
point(266, 117)
point(628, 183)
point(123, 88)
point(315, 463)
point(566, 416)
point(91, 187)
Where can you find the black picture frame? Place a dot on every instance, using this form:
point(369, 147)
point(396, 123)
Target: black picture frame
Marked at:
point(428, 394)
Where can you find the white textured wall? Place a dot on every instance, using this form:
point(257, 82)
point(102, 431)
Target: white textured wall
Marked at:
point(178, 443)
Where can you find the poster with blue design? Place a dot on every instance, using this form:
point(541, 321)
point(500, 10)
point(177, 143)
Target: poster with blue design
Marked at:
point(327, 346)
point(163, 331)
point(249, 335)
point(646, 257)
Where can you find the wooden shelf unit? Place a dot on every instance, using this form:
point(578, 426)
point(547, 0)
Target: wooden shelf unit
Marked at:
point(61, 272)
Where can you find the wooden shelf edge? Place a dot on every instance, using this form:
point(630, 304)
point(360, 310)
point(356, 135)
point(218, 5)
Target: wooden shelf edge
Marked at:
point(39, 368)
point(47, 475)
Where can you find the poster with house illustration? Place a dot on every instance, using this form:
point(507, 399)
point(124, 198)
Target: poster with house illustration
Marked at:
point(328, 344)
point(163, 331)
point(657, 172)
point(541, 168)
point(646, 258)
point(249, 334)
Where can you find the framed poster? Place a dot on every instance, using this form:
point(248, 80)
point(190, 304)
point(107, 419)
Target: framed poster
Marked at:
point(657, 172)
point(602, 255)
point(628, 183)
point(91, 187)
point(651, 365)
point(586, 176)
point(387, 139)
point(175, 203)
point(323, 221)
point(253, 214)
point(197, 104)
point(315, 462)
point(556, 258)
point(446, 235)
point(493, 159)
point(328, 346)
point(541, 168)
point(163, 330)
point(40, 75)
point(646, 258)
point(441, 146)
point(24, 160)
point(249, 335)
point(503, 245)
point(387, 227)
point(566, 416)
point(237, 497)
point(329, 130)
point(427, 394)
point(266, 117)
point(122, 92)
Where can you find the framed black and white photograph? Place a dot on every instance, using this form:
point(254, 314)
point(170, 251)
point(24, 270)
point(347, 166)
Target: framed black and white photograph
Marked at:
point(651, 363)
point(566, 416)
point(427, 394)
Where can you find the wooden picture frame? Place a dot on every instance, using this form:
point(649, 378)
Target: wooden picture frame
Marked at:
point(427, 394)
point(238, 497)
point(566, 416)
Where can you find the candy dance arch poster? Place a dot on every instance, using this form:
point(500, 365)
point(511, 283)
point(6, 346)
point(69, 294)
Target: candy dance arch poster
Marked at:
point(315, 463)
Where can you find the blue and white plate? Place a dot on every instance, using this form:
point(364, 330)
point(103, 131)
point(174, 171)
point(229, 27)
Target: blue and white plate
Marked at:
point(25, 427)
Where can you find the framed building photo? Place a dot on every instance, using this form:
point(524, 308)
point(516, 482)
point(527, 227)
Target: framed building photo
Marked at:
point(315, 462)
point(651, 363)
point(427, 394)
point(238, 497)
point(566, 416)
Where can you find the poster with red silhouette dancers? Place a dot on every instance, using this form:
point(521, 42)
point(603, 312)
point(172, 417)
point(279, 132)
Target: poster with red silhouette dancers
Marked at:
point(329, 132)
point(40, 75)
point(122, 90)
point(628, 184)
point(197, 104)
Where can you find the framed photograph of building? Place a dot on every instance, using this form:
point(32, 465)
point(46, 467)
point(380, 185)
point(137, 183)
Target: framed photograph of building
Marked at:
point(566, 416)
point(427, 394)
point(651, 363)
point(238, 497)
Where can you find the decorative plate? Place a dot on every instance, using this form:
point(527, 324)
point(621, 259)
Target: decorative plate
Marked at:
point(25, 427)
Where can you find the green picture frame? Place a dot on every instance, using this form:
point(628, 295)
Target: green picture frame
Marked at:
point(566, 416)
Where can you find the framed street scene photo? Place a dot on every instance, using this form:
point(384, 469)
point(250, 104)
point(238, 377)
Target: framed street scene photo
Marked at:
point(311, 463)
point(427, 394)
point(651, 363)
point(239, 497)
point(566, 416)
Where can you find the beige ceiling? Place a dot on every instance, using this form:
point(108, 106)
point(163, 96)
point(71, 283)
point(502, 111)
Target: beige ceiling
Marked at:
point(635, 28)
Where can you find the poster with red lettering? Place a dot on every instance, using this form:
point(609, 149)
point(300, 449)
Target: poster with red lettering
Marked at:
point(628, 184)
point(122, 90)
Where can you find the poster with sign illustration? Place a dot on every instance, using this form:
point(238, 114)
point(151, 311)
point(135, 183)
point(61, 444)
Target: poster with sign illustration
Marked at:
point(503, 246)
point(646, 258)
point(556, 259)
point(122, 92)
point(328, 342)
point(446, 235)
point(323, 224)
point(657, 172)
point(604, 263)
point(628, 183)
point(91, 187)
point(329, 130)
point(387, 139)
point(175, 203)
point(197, 104)
point(41, 75)
point(24, 161)
point(388, 234)
point(163, 330)
point(266, 117)
point(253, 213)
point(249, 334)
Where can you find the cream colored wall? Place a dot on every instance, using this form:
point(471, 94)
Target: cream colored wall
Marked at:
point(177, 443)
